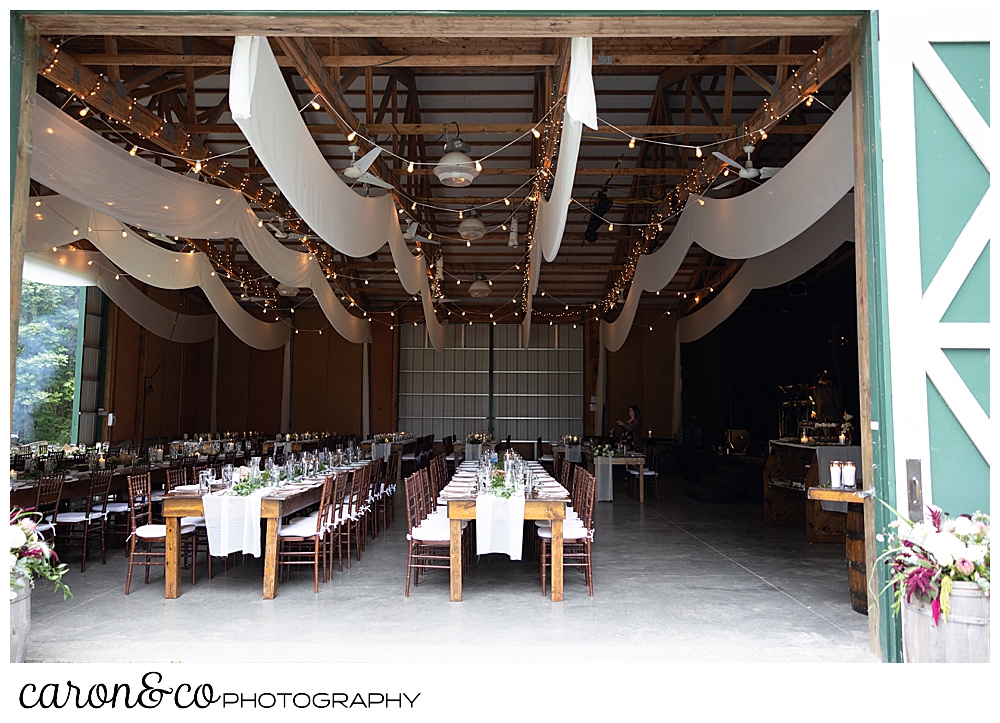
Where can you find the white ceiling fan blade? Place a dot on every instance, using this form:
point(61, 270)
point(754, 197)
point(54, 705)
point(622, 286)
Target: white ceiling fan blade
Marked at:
point(371, 180)
point(768, 171)
point(366, 161)
point(725, 185)
point(727, 159)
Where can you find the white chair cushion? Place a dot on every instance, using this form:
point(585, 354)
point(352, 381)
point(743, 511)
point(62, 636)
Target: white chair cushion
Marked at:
point(154, 531)
point(570, 532)
point(196, 521)
point(305, 527)
point(115, 507)
point(44, 527)
point(75, 517)
point(431, 533)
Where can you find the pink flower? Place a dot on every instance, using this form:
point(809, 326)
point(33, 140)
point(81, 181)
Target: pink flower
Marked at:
point(966, 567)
point(936, 610)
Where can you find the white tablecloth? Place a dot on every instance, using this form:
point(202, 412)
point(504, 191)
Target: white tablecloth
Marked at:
point(574, 454)
point(381, 450)
point(233, 523)
point(472, 452)
point(499, 525)
point(605, 479)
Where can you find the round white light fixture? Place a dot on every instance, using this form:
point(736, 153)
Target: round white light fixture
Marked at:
point(479, 288)
point(456, 168)
point(472, 227)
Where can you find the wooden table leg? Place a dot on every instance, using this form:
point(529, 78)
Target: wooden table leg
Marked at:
point(642, 485)
point(172, 573)
point(557, 560)
point(456, 560)
point(271, 558)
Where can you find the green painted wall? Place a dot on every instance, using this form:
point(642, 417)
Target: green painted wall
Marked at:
point(951, 182)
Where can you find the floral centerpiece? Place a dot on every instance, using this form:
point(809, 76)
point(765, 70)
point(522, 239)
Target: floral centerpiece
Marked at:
point(31, 556)
point(477, 438)
point(381, 438)
point(928, 557)
point(606, 450)
point(571, 440)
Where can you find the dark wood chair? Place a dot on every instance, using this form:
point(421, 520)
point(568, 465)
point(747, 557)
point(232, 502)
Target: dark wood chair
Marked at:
point(304, 542)
point(145, 534)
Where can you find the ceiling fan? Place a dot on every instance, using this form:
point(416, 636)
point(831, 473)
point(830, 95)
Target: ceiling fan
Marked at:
point(278, 231)
point(749, 171)
point(411, 235)
point(358, 170)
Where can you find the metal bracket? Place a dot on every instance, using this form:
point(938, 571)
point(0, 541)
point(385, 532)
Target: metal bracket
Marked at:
point(914, 490)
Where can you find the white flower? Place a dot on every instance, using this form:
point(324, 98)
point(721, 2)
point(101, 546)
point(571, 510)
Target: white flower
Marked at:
point(964, 526)
point(17, 537)
point(976, 553)
point(946, 548)
point(918, 533)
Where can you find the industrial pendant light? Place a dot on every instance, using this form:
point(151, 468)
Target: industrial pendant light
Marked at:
point(456, 168)
point(479, 288)
point(472, 228)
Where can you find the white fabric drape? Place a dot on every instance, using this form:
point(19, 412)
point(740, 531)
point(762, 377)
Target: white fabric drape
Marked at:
point(752, 224)
point(605, 479)
point(96, 173)
point(776, 267)
point(233, 523)
point(354, 225)
point(71, 269)
point(500, 525)
point(144, 261)
point(550, 220)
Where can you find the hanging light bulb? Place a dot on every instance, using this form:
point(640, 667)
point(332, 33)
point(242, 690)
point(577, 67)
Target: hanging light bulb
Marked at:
point(809, 101)
point(697, 152)
point(117, 277)
point(701, 201)
point(218, 201)
point(135, 149)
point(84, 111)
point(76, 232)
point(611, 227)
point(124, 233)
point(631, 142)
point(197, 166)
point(316, 105)
point(38, 203)
point(506, 202)
point(725, 171)
point(479, 167)
point(535, 133)
point(351, 136)
point(409, 169)
point(763, 135)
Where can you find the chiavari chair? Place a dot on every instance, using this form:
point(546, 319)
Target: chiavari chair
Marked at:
point(428, 543)
point(578, 535)
point(304, 542)
point(91, 514)
point(348, 526)
point(384, 506)
point(375, 494)
point(143, 532)
point(376, 469)
point(47, 501)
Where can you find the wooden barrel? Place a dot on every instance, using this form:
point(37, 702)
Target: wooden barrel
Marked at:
point(857, 569)
point(965, 638)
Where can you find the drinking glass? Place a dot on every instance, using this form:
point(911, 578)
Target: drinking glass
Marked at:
point(227, 475)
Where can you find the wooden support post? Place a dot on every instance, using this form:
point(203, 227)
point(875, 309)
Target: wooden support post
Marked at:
point(22, 183)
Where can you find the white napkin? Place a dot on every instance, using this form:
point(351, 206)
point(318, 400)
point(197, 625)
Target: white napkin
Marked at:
point(233, 523)
point(499, 525)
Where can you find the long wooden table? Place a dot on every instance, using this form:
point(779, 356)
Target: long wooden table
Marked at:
point(272, 508)
point(534, 509)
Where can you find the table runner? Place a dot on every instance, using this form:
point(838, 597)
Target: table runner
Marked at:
point(573, 453)
point(473, 451)
point(605, 479)
point(381, 450)
point(233, 523)
point(499, 525)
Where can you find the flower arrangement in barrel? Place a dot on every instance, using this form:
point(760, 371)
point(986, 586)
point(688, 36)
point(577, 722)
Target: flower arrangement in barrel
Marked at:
point(927, 557)
point(31, 556)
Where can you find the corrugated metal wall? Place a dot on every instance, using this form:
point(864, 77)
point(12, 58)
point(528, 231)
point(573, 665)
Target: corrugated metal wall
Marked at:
point(536, 393)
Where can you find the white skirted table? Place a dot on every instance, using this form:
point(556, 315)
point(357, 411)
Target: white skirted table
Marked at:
point(603, 468)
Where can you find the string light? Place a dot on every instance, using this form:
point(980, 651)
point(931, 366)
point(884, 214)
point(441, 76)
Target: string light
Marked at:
point(409, 169)
point(697, 152)
point(535, 133)
point(351, 136)
point(84, 111)
point(135, 149)
point(631, 142)
point(197, 166)
point(316, 105)
point(76, 232)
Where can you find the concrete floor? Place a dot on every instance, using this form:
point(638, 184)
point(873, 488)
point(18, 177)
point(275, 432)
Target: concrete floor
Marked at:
point(674, 582)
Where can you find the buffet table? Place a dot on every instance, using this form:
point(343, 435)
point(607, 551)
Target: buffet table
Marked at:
point(793, 468)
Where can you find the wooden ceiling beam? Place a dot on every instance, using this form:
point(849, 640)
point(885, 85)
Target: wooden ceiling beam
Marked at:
point(471, 129)
point(757, 78)
point(486, 25)
point(456, 60)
